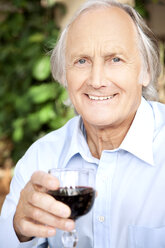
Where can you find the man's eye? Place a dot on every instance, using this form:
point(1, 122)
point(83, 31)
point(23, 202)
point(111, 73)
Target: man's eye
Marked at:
point(116, 59)
point(82, 61)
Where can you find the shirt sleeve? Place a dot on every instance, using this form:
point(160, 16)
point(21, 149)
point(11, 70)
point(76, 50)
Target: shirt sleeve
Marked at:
point(8, 237)
point(22, 174)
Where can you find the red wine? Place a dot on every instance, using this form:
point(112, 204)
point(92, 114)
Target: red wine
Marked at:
point(79, 199)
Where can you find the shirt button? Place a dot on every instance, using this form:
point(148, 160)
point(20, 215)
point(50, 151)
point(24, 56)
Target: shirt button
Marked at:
point(101, 219)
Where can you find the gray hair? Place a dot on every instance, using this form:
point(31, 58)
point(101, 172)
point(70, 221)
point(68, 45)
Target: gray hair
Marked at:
point(148, 45)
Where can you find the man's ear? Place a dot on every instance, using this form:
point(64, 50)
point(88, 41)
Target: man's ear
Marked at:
point(146, 79)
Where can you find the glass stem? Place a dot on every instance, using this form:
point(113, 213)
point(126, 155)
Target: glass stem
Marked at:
point(69, 239)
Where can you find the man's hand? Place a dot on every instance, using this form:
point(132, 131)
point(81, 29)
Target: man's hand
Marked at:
point(39, 214)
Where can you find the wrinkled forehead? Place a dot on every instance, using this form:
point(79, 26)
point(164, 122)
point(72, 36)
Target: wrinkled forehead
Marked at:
point(103, 24)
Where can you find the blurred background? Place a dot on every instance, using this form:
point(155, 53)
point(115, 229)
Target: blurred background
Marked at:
point(31, 103)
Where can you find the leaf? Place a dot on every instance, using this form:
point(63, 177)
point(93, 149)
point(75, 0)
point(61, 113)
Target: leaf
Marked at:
point(46, 113)
point(18, 134)
point(18, 129)
point(36, 38)
point(33, 122)
point(41, 70)
point(57, 122)
point(42, 93)
point(22, 104)
point(63, 96)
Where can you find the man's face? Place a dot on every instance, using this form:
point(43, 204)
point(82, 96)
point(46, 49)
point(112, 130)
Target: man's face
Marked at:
point(102, 67)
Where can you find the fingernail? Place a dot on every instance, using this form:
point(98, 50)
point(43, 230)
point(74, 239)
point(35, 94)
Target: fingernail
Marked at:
point(69, 225)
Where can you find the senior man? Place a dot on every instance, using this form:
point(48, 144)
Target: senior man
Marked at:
point(108, 60)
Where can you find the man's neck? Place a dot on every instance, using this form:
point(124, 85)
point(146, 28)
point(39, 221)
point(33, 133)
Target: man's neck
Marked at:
point(105, 138)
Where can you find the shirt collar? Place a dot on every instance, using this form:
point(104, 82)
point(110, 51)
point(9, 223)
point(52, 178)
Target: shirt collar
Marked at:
point(78, 143)
point(139, 138)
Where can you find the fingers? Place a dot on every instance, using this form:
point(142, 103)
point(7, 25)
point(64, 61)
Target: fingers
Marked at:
point(49, 220)
point(30, 229)
point(43, 200)
point(38, 213)
point(44, 179)
point(49, 204)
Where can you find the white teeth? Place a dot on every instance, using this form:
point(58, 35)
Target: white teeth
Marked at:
point(100, 97)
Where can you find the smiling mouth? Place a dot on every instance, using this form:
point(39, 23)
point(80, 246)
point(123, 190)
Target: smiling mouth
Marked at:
point(101, 98)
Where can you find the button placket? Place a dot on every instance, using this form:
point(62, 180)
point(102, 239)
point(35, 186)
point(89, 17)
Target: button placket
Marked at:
point(103, 201)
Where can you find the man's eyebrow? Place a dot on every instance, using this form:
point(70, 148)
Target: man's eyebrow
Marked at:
point(76, 55)
point(112, 54)
point(117, 51)
point(108, 52)
point(114, 51)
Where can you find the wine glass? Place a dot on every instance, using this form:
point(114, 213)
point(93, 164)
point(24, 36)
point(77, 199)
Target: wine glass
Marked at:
point(77, 190)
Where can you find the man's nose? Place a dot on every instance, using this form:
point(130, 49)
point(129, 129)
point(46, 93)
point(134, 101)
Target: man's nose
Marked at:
point(97, 77)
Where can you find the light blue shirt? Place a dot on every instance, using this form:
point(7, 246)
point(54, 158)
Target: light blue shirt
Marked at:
point(129, 211)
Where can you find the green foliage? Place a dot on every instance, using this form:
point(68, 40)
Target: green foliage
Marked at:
point(41, 69)
point(140, 7)
point(31, 103)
